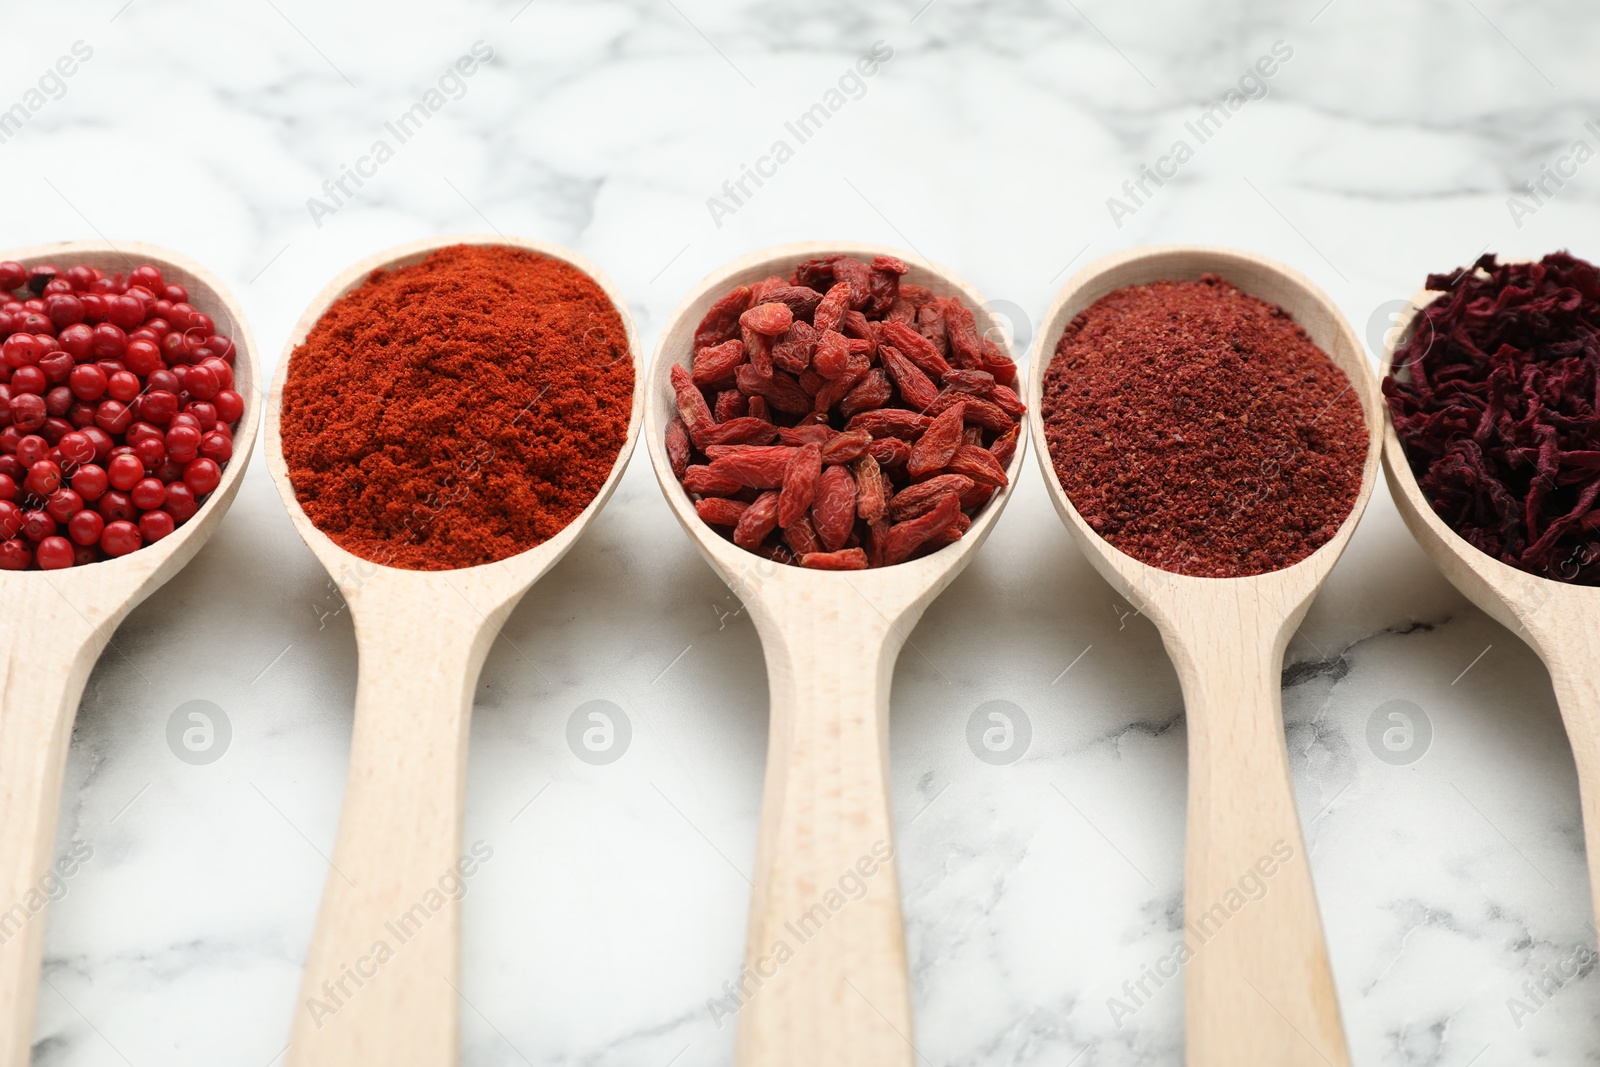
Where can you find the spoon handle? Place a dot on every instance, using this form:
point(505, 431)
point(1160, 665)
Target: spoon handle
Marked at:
point(1576, 679)
point(42, 674)
point(1258, 987)
point(381, 974)
point(825, 978)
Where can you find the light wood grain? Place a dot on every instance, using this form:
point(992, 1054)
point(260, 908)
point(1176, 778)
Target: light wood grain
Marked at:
point(1560, 621)
point(57, 624)
point(1258, 989)
point(422, 637)
point(826, 985)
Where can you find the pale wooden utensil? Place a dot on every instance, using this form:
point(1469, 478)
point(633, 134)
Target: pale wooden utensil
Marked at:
point(422, 637)
point(1558, 620)
point(843, 997)
point(59, 621)
point(1258, 990)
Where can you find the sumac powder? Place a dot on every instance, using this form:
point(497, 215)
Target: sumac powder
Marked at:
point(1496, 398)
point(840, 418)
point(459, 410)
point(1200, 430)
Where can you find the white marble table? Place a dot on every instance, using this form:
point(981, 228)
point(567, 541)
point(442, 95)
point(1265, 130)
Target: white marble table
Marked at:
point(1387, 145)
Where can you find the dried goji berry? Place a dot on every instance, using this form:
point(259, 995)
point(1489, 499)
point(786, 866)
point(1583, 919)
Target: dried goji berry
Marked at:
point(677, 447)
point(949, 535)
point(938, 442)
point(715, 365)
point(976, 463)
point(966, 349)
point(918, 498)
point(800, 479)
point(815, 273)
point(778, 389)
point(805, 433)
point(891, 422)
point(873, 391)
point(1005, 446)
point(758, 346)
point(872, 492)
point(702, 479)
point(730, 404)
point(799, 535)
point(1007, 400)
point(767, 319)
point(915, 387)
point(793, 352)
point(758, 520)
point(833, 512)
point(802, 300)
point(755, 467)
point(692, 406)
point(980, 412)
point(917, 348)
point(883, 284)
point(848, 559)
point(719, 510)
point(832, 354)
point(976, 382)
point(891, 453)
point(846, 447)
point(830, 312)
point(743, 431)
point(906, 537)
point(722, 321)
point(859, 277)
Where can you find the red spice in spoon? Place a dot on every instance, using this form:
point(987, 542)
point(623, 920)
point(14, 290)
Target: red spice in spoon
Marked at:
point(1498, 406)
point(117, 402)
point(840, 418)
point(1201, 431)
point(459, 410)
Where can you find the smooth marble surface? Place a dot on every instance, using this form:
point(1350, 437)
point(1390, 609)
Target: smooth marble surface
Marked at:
point(1386, 146)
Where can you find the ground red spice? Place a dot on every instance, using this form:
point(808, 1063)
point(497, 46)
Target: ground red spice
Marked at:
point(1201, 431)
point(457, 411)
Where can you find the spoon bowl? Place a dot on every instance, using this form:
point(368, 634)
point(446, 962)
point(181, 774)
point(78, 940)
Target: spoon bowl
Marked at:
point(1258, 987)
point(830, 985)
point(422, 637)
point(60, 621)
point(1558, 620)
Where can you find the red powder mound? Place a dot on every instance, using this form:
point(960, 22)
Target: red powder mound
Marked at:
point(457, 411)
point(1201, 431)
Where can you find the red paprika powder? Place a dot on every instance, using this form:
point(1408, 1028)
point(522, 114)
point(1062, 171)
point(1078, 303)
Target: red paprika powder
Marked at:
point(1201, 431)
point(457, 411)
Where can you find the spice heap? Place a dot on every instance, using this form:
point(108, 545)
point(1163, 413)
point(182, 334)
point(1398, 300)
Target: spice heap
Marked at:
point(118, 403)
point(1496, 399)
point(840, 419)
point(459, 410)
point(1201, 431)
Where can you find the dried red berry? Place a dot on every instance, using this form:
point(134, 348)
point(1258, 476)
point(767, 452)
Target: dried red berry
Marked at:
point(767, 319)
point(834, 511)
point(847, 559)
point(800, 478)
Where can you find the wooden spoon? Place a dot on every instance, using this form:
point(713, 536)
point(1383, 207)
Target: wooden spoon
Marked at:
point(58, 623)
point(826, 956)
point(422, 638)
point(1560, 621)
point(1258, 988)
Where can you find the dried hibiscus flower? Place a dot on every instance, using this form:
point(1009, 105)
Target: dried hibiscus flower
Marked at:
point(1496, 399)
